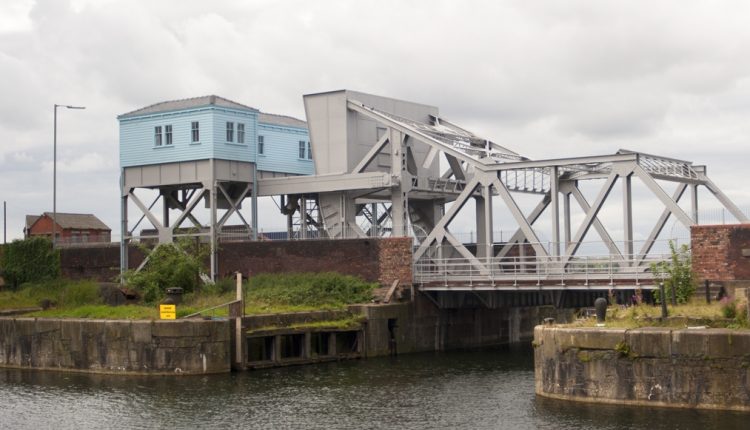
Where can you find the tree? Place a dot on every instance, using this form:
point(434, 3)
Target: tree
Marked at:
point(169, 265)
point(29, 260)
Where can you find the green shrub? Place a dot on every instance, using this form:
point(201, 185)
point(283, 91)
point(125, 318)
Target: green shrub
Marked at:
point(169, 265)
point(729, 308)
point(29, 260)
point(317, 290)
point(676, 273)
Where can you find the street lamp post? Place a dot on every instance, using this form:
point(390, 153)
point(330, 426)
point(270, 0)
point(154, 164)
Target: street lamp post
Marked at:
point(54, 172)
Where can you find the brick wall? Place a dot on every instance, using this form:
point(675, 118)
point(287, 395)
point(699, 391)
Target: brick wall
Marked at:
point(375, 260)
point(100, 262)
point(717, 252)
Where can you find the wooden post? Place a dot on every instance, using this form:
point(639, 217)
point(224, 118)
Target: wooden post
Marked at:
point(239, 335)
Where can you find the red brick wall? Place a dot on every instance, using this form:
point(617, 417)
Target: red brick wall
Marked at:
point(717, 252)
point(98, 262)
point(375, 260)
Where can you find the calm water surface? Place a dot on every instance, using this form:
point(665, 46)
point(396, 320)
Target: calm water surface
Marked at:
point(461, 390)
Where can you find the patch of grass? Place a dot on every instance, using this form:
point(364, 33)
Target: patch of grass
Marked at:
point(693, 313)
point(350, 322)
point(62, 293)
point(271, 293)
point(300, 292)
point(130, 312)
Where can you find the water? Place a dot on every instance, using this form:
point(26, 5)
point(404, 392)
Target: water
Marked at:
point(461, 390)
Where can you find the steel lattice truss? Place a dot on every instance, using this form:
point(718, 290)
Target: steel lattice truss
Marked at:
point(482, 170)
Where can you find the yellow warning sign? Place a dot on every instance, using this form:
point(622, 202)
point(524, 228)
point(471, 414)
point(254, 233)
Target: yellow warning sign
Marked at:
point(167, 312)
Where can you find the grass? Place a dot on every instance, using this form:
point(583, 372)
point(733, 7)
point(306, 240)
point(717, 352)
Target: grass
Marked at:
point(128, 312)
point(696, 312)
point(278, 293)
point(62, 293)
point(271, 293)
point(350, 322)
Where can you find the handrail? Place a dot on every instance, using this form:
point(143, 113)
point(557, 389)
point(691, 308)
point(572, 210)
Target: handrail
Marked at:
point(211, 308)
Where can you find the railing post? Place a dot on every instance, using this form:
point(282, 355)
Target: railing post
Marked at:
point(708, 291)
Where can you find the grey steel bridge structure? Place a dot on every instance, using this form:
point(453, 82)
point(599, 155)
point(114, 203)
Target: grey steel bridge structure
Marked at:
point(387, 167)
point(397, 168)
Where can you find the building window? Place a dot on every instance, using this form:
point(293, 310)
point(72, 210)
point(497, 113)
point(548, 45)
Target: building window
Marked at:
point(230, 132)
point(261, 144)
point(194, 127)
point(157, 135)
point(168, 134)
point(302, 149)
point(240, 132)
point(309, 151)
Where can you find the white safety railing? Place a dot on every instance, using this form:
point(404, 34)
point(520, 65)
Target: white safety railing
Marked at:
point(585, 270)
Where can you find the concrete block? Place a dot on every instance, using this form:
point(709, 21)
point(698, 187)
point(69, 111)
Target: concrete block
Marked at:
point(140, 331)
point(722, 343)
point(649, 342)
point(690, 343)
point(588, 338)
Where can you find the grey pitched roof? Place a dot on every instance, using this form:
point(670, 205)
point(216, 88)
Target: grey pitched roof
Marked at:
point(269, 118)
point(77, 221)
point(194, 102)
point(30, 220)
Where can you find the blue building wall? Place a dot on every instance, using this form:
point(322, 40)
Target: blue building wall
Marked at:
point(281, 150)
point(281, 143)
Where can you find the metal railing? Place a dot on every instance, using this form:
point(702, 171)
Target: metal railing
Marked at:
point(533, 270)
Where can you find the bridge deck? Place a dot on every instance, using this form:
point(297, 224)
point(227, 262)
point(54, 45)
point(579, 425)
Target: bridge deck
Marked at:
point(534, 274)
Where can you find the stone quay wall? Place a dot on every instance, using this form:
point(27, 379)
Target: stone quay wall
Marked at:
point(184, 347)
point(706, 368)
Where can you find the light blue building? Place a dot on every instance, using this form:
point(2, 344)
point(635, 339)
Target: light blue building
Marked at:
point(203, 148)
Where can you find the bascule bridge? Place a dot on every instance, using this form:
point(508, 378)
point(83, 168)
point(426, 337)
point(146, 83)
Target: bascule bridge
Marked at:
point(379, 167)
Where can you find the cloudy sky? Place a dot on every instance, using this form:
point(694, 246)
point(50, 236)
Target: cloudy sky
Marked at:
point(548, 79)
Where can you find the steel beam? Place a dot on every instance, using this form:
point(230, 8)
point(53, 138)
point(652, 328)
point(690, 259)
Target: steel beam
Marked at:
point(661, 195)
point(590, 217)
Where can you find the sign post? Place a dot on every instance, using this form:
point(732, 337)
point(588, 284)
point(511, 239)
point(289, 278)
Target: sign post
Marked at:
point(167, 311)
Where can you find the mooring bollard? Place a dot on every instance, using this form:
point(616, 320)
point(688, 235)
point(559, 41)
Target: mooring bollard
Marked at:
point(663, 300)
point(600, 305)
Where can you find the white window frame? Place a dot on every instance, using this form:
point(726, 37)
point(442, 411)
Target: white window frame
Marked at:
point(157, 135)
point(230, 131)
point(195, 132)
point(309, 151)
point(302, 146)
point(261, 144)
point(168, 134)
point(240, 132)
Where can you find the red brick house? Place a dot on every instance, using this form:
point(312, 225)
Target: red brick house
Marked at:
point(71, 228)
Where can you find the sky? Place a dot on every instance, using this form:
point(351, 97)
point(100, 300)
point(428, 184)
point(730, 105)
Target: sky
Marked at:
point(547, 79)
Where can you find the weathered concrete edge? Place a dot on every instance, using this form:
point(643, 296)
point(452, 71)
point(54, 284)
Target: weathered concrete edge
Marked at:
point(649, 403)
point(680, 347)
point(115, 346)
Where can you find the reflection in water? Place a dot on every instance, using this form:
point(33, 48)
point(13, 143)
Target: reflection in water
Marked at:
point(471, 390)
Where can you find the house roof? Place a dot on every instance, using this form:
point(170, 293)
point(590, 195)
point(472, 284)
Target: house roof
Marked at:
point(30, 220)
point(284, 120)
point(194, 102)
point(74, 221)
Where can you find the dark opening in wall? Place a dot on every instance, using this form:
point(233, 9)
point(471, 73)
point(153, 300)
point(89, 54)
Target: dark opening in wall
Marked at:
point(292, 346)
point(319, 344)
point(347, 342)
point(260, 348)
point(392, 325)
